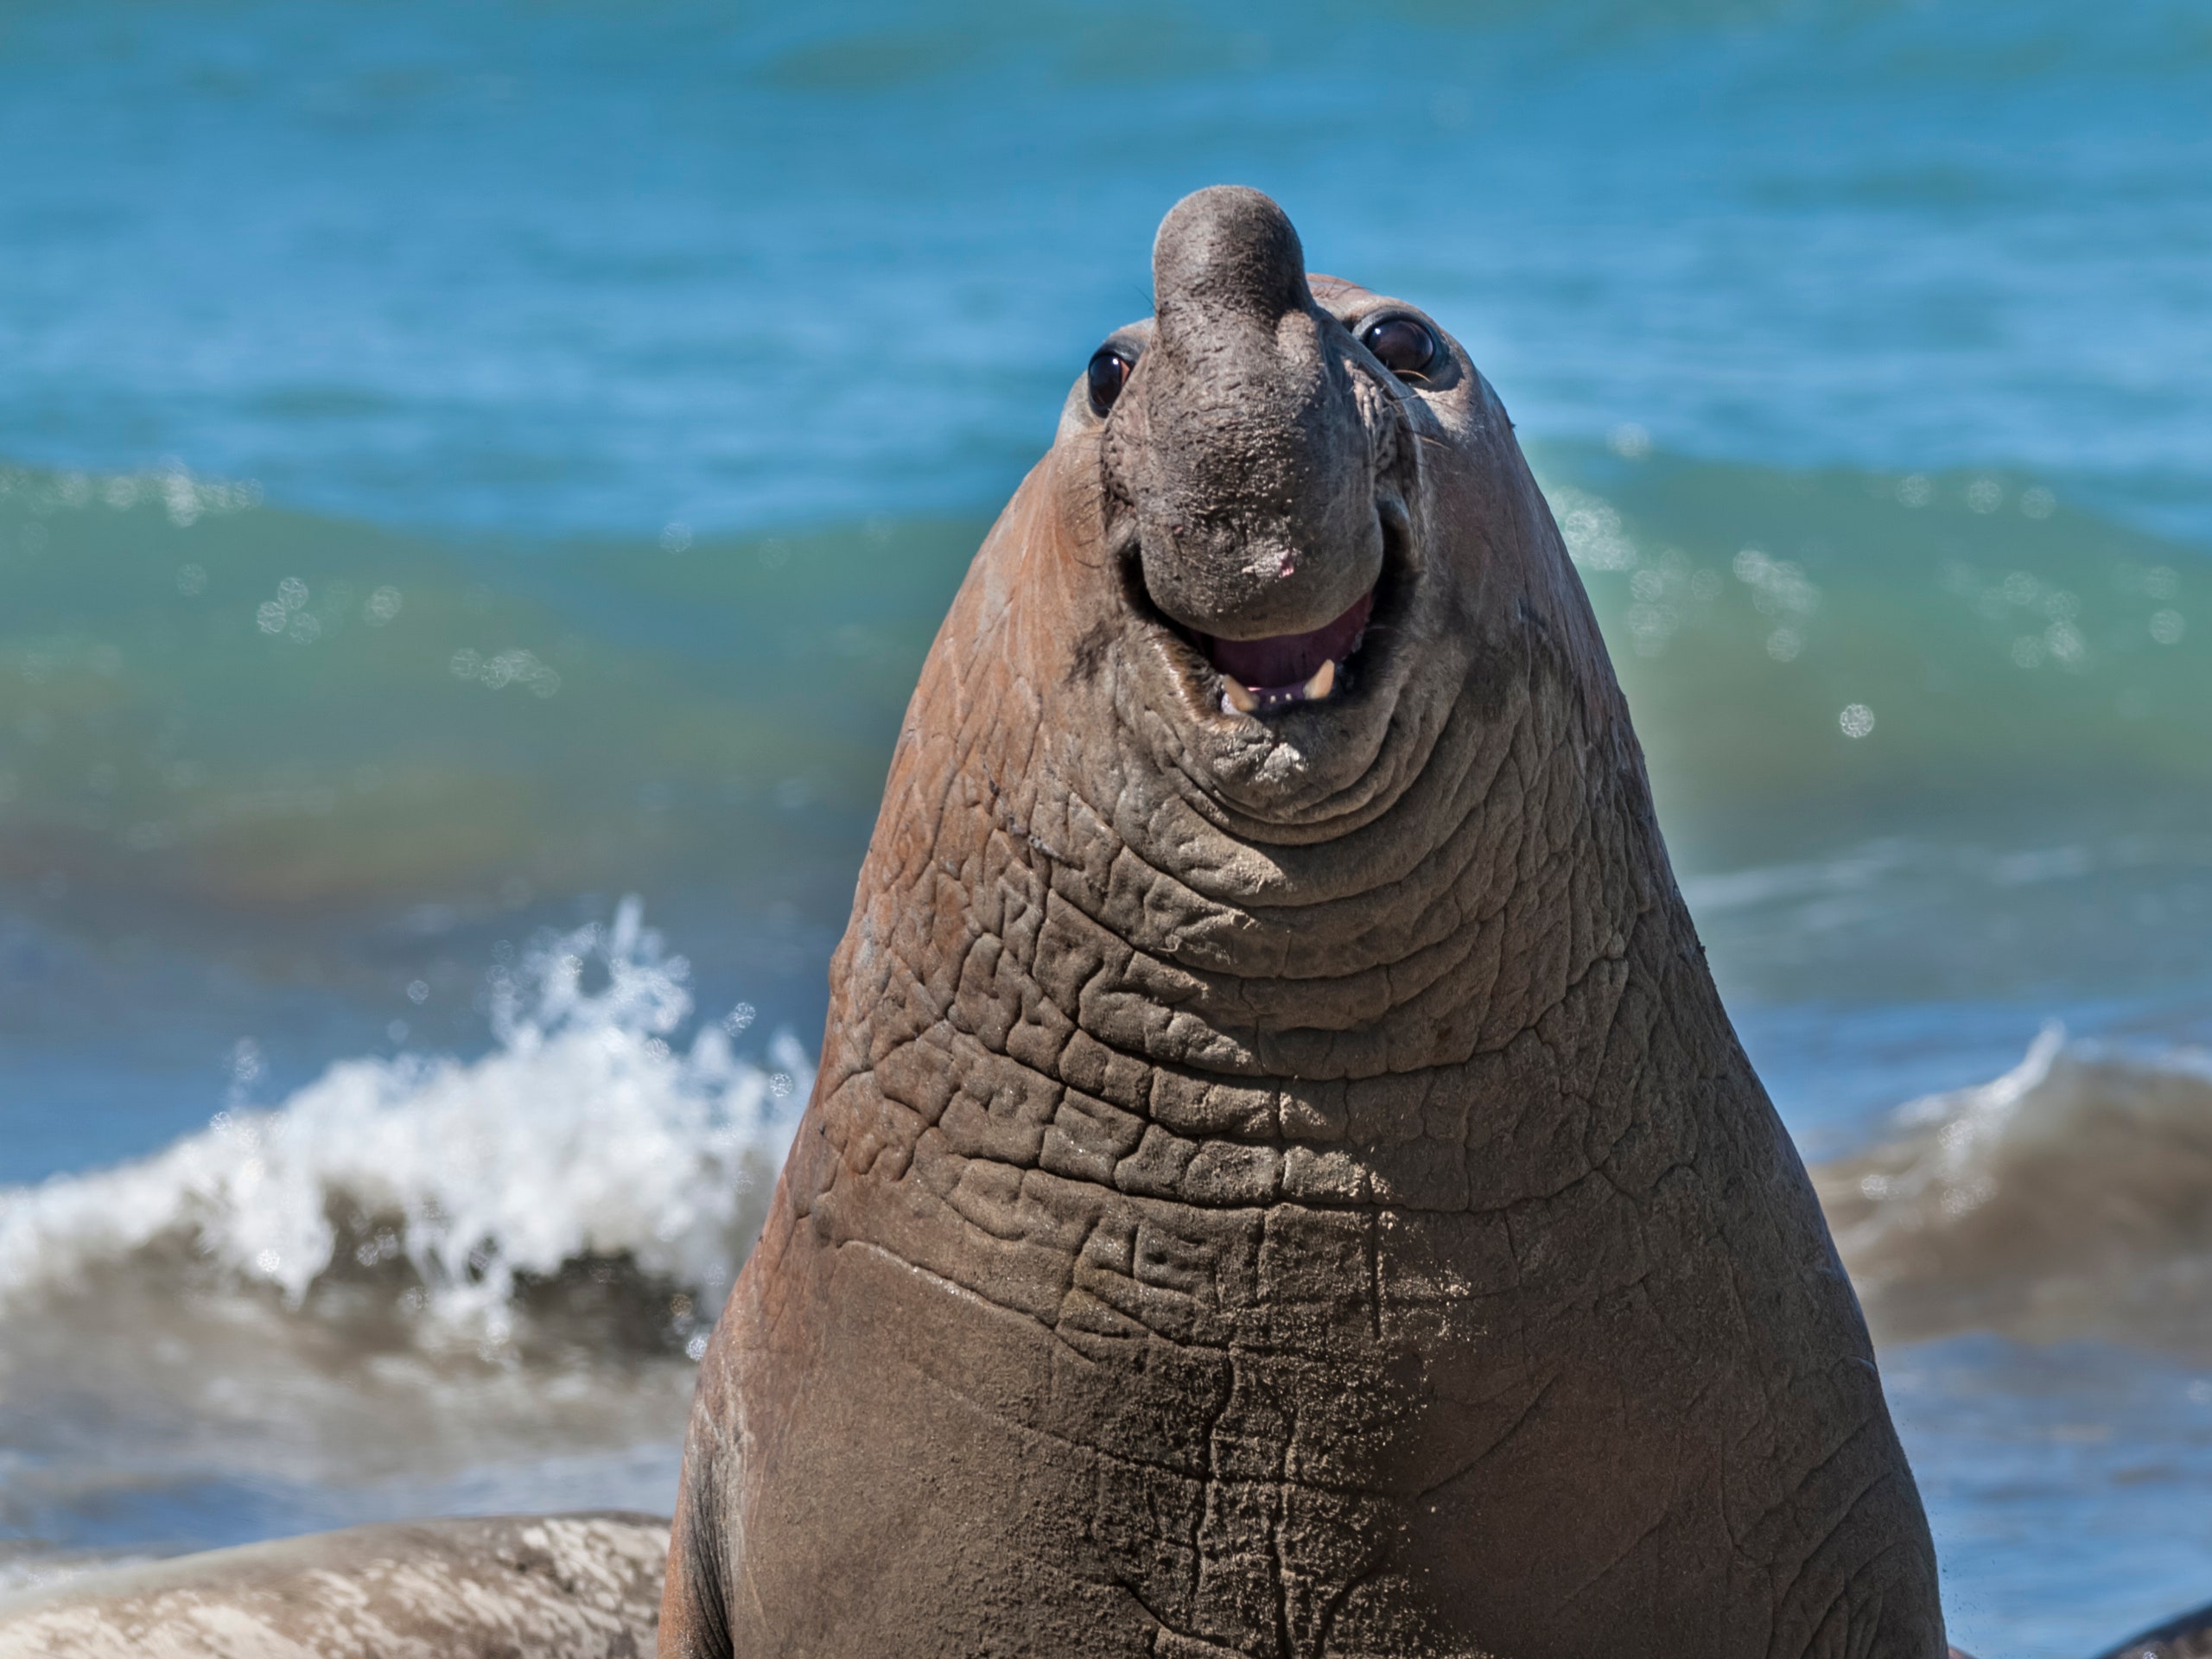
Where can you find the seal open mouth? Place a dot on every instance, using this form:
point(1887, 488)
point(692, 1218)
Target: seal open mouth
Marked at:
point(1281, 673)
point(1285, 668)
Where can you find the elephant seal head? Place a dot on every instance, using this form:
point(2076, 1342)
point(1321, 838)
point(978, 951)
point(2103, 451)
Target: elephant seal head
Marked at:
point(1311, 522)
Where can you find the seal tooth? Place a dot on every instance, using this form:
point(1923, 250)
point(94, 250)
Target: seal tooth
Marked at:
point(1236, 697)
point(1323, 683)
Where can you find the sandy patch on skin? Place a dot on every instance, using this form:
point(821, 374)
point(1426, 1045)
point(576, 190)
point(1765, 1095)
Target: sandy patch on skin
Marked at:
point(575, 1586)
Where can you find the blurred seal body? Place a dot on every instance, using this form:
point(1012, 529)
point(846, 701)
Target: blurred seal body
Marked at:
point(1280, 1180)
point(554, 1586)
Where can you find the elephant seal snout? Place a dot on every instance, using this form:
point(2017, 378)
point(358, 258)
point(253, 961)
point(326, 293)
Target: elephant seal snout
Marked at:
point(1280, 1181)
point(1244, 448)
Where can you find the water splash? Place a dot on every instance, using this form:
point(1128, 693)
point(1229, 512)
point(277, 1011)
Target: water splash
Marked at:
point(586, 1134)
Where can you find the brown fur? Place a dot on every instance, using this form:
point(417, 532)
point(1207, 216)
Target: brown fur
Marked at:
point(1285, 1186)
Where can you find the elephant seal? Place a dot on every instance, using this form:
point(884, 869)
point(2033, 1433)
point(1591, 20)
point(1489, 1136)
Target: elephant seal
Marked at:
point(554, 1586)
point(1280, 1180)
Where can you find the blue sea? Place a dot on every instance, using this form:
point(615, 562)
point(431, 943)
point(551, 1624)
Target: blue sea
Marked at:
point(477, 481)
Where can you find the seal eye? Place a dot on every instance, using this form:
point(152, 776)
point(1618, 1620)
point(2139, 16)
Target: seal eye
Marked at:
point(1109, 372)
point(1401, 344)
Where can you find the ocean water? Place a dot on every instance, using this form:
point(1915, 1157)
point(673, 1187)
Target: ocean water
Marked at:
point(476, 484)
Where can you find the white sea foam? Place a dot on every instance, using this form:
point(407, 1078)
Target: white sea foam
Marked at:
point(586, 1133)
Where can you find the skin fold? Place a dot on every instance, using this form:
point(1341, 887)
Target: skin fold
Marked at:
point(1285, 1185)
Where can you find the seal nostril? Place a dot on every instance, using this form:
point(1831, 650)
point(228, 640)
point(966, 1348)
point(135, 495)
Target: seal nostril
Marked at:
point(1107, 373)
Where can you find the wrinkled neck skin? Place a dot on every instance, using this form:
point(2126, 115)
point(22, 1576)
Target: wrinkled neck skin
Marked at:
point(1252, 907)
point(1271, 914)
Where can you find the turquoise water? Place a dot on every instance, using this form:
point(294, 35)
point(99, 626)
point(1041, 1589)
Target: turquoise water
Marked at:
point(460, 467)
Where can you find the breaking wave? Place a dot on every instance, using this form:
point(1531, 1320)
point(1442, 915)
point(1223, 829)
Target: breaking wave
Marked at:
point(2070, 1197)
point(586, 1142)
